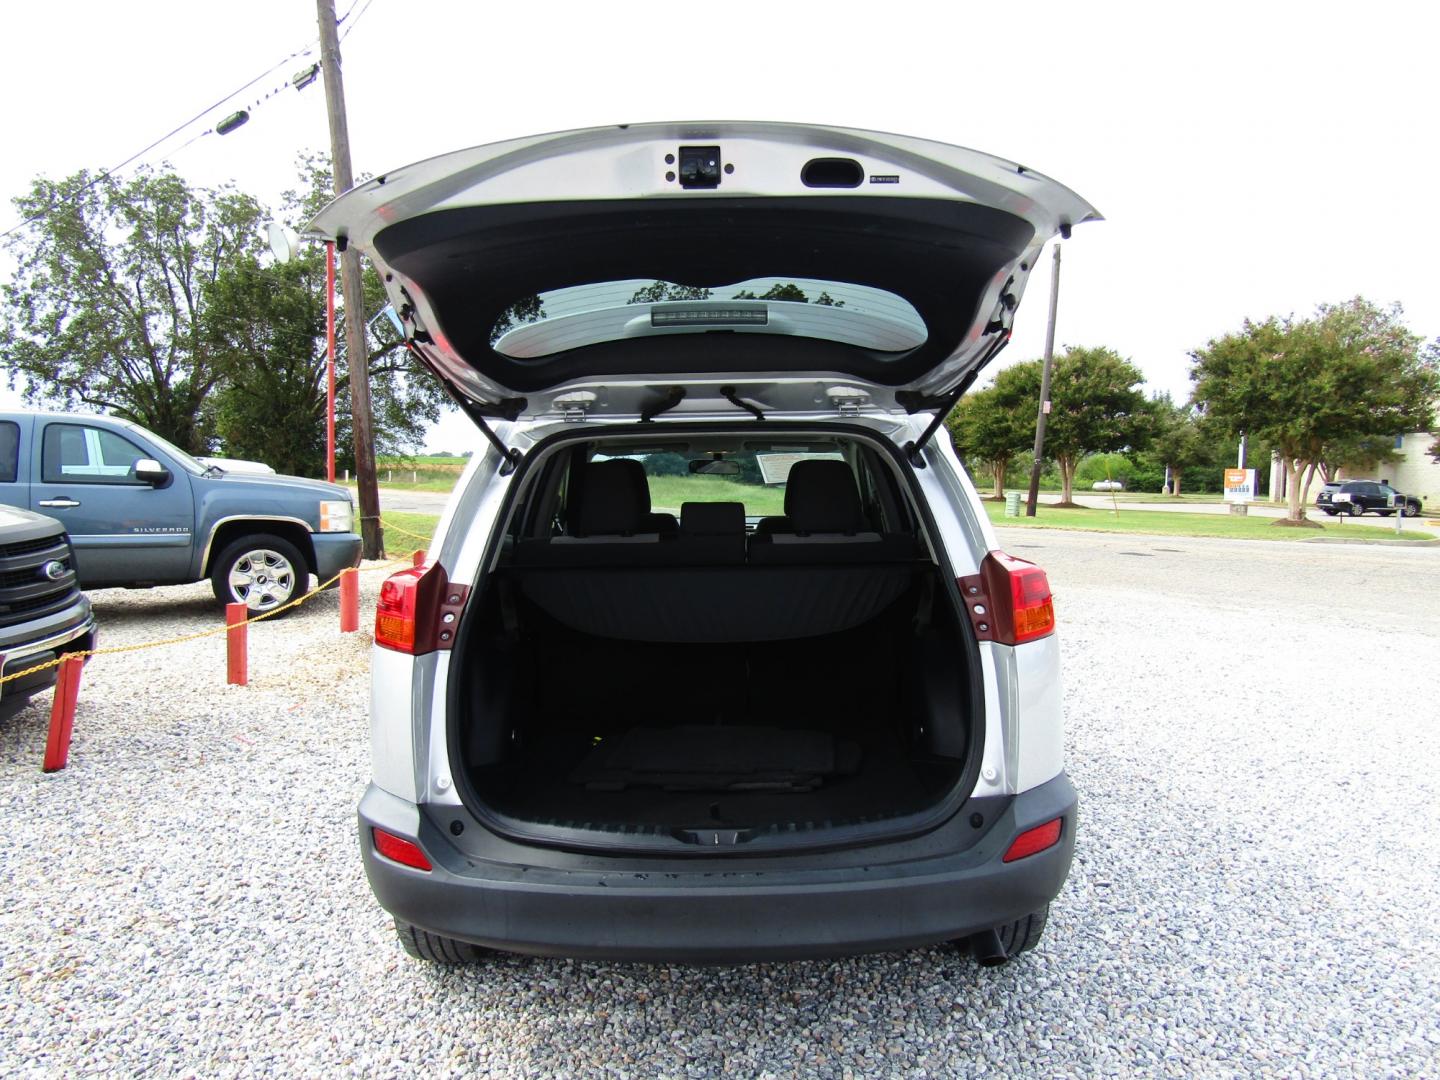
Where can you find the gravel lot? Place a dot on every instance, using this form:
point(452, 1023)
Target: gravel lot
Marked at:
point(1253, 728)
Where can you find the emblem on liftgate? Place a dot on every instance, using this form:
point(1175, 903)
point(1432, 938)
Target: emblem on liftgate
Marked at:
point(54, 569)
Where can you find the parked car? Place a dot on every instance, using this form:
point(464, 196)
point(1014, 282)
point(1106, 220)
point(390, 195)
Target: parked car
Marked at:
point(749, 730)
point(1107, 485)
point(141, 512)
point(1356, 497)
point(236, 465)
point(43, 613)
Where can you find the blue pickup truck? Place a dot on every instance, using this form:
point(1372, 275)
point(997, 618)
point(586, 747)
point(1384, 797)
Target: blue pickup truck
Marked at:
point(141, 512)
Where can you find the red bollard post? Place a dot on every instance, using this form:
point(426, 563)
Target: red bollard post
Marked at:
point(237, 645)
point(418, 557)
point(349, 600)
point(62, 713)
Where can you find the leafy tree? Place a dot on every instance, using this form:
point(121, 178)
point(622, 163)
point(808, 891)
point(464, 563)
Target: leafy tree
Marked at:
point(660, 291)
point(111, 291)
point(826, 300)
point(994, 424)
point(1352, 372)
point(783, 291)
point(527, 309)
point(268, 324)
point(1096, 407)
point(1177, 442)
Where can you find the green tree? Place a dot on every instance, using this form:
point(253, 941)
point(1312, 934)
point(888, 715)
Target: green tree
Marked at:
point(660, 291)
point(1311, 387)
point(110, 293)
point(1096, 407)
point(1176, 441)
point(997, 423)
point(268, 325)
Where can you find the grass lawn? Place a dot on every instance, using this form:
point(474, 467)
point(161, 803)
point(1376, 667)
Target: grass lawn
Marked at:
point(418, 529)
point(668, 492)
point(1163, 523)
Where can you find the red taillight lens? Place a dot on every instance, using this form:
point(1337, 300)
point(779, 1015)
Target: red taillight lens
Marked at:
point(1032, 610)
point(406, 852)
point(1034, 840)
point(1020, 595)
point(395, 610)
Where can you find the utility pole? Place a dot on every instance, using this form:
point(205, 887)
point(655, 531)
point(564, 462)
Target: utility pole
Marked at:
point(1044, 409)
point(350, 289)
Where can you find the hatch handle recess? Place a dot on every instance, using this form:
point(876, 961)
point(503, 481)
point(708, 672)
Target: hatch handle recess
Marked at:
point(729, 394)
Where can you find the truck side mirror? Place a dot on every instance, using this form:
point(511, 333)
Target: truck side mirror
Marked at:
point(151, 471)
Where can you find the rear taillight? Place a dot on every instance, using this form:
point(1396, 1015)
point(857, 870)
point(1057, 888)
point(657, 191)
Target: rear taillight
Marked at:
point(406, 852)
point(419, 610)
point(396, 609)
point(1033, 841)
point(1009, 600)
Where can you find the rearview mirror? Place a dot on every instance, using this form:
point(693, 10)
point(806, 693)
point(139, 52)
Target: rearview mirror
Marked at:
point(715, 467)
point(151, 471)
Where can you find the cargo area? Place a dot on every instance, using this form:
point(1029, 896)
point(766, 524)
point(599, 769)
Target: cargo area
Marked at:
point(713, 676)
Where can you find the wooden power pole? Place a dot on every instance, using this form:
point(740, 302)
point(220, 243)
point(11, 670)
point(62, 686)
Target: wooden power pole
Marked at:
point(350, 288)
point(1044, 410)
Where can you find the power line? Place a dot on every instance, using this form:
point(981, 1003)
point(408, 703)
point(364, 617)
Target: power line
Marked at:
point(105, 174)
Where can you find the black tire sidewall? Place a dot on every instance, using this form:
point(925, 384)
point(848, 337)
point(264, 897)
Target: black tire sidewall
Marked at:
point(220, 569)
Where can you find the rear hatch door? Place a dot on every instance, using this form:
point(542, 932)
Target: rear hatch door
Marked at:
point(617, 271)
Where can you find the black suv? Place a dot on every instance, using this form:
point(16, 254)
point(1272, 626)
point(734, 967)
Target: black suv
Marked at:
point(1356, 497)
point(43, 613)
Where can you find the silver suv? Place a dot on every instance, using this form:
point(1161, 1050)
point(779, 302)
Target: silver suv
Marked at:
point(715, 657)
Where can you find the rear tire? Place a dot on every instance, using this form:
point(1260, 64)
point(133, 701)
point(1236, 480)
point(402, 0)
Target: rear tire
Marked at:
point(423, 945)
point(1015, 938)
point(1355, 510)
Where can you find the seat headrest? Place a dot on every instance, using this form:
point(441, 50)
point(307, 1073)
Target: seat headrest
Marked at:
point(712, 519)
point(614, 499)
point(821, 497)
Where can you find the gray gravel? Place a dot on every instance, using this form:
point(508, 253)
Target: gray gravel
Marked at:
point(1254, 890)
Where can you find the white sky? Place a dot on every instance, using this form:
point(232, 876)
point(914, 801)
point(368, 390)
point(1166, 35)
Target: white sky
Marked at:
point(1251, 159)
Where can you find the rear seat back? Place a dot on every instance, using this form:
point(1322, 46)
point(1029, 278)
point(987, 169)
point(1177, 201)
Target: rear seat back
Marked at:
point(712, 534)
point(608, 522)
point(826, 522)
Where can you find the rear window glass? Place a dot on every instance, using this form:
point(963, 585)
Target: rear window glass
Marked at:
point(569, 318)
point(759, 483)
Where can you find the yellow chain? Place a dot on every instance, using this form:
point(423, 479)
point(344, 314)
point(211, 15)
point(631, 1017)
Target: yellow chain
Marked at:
point(405, 532)
point(113, 650)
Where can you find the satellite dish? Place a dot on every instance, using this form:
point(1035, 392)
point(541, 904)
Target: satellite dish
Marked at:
point(283, 241)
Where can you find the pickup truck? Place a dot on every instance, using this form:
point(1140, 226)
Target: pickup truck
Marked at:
point(43, 613)
point(141, 512)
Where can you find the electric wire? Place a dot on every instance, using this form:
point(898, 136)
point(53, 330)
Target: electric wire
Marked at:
point(107, 173)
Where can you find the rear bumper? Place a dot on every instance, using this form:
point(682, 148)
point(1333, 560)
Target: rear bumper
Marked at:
point(706, 913)
point(334, 552)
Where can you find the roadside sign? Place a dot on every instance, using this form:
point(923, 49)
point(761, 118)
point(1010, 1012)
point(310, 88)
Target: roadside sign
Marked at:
point(1239, 485)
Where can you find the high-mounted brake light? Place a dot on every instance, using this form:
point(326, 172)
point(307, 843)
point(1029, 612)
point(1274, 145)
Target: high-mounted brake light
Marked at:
point(1009, 600)
point(1033, 841)
point(406, 852)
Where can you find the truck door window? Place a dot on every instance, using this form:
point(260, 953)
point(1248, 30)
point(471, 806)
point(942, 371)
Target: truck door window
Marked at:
point(75, 454)
point(9, 451)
